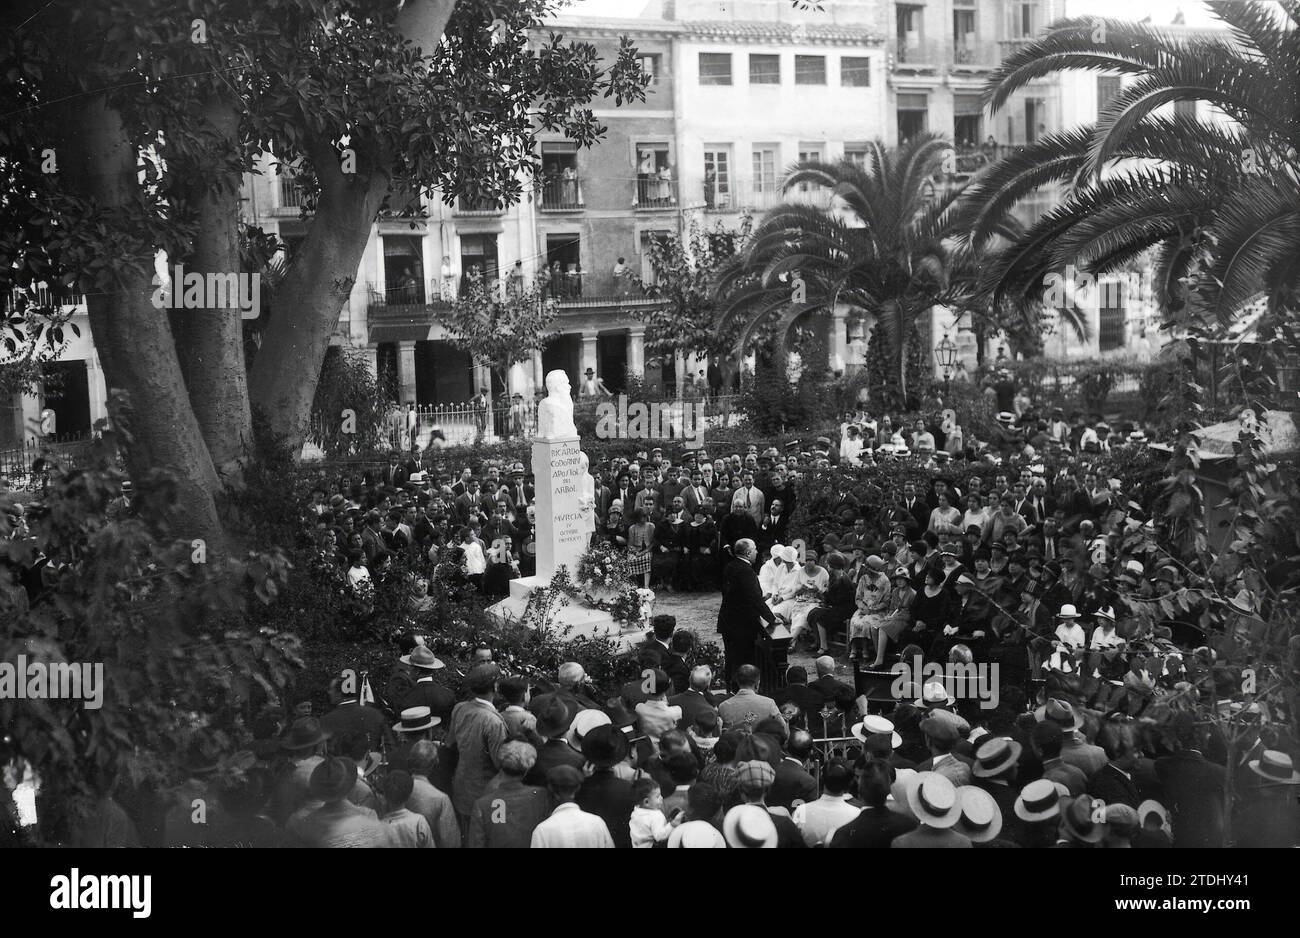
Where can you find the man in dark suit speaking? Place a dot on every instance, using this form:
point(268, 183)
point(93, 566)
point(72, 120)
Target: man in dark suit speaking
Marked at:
point(742, 608)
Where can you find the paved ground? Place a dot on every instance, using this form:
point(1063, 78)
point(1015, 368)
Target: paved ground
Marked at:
point(699, 612)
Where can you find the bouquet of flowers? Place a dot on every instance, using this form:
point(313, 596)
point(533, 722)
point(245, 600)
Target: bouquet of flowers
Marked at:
point(603, 566)
point(633, 606)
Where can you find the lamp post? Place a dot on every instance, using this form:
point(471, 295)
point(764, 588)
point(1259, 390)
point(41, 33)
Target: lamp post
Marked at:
point(945, 354)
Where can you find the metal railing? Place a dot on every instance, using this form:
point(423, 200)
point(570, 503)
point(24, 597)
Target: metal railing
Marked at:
point(481, 207)
point(561, 193)
point(40, 297)
point(718, 197)
point(292, 193)
point(399, 301)
point(975, 53)
point(654, 192)
point(763, 196)
point(69, 450)
point(916, 53)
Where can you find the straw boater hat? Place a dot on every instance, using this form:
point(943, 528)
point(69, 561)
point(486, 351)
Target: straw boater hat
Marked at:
point(994, 756)
point(1006, 418)
point(1040, 800)
point(749, 825)
point(416, 719)
point(933, 800)
point(421, 657)
point(873, 725)
point(981, 818)
point(1276, 767)
point(1149, 807)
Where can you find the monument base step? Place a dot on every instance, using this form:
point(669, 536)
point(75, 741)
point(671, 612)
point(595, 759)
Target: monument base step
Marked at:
point(572, 621)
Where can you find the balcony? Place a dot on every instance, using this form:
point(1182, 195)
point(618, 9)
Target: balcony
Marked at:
point(916, 55)
point(562, 194)
point(764, 196)
point(654, 192)
point(405, 202)
point(292, 196)
point(43, 298)
point(480, 208)
point(718, 198)
point(586, 289)
point(412, 303)
point(975, 55)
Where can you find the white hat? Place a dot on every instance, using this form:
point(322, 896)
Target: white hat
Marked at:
point(790, 555)
point(873, 725)
point(749, 825)
point(584, 721)
point(934, 694)
point(1067, 612)
point(981, 818)
point(933, 800)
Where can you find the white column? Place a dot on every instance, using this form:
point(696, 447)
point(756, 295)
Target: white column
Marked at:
point(98, 389)
point(589, 358)
point(406, 371)
point(839, 344)
point(372, 360)
point(636, 353)
point(539, 377)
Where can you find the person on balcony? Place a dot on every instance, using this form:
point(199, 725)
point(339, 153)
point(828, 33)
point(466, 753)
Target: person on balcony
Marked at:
point(448, 292)
point(666, 184)
point(569, 188)
point(622, 277)
point(516, 281)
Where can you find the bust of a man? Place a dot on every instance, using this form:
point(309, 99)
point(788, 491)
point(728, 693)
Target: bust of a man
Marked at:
point(555, 412)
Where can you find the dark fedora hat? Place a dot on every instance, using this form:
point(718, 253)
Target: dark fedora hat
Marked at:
point(552, 717)
point(305, 733)
point(605, 746)
point(333, 779)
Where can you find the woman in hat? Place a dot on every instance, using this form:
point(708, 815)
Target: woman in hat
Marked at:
point(872, 600)
point(612, 531)
point(640, 544)
point(837, 605)
point(1068, 630)
point(897, 618)
point(932, 606)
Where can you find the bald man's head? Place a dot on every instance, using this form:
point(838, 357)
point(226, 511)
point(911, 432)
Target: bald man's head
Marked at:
point(825, 665)
point(701, 677)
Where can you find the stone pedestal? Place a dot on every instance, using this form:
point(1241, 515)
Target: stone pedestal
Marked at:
point(562, 536)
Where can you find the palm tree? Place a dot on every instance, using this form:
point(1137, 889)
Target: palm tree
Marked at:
point(881, 251)
point(1217, 204)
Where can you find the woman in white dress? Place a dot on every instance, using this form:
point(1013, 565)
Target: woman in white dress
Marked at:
point(872, 598)
point(977, 514)
point(945, 520)
point(802, 593)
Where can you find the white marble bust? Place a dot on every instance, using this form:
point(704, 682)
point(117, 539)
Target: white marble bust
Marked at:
point(555, 412)
point(587, 494)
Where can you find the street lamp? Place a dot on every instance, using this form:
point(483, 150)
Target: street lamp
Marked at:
point(945, 354)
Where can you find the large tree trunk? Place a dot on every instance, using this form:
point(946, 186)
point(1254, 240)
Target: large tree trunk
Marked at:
point(133, 337)
point(287, 367)
point(307, 304)
point(210, 342)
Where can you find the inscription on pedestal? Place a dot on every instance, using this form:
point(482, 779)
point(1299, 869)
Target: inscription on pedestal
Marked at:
point(561, 533)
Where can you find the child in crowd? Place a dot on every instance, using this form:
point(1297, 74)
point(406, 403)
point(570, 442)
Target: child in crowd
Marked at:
point(648, 825)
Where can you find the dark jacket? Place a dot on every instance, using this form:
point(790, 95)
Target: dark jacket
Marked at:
point(1113, 787)
point(793, 784)
point(742, 602)
point(1194, 789)
point(609, 797)
point(692, 703)
point(874, 827)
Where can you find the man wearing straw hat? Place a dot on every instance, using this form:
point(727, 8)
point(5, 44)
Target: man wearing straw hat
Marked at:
point(933, 801)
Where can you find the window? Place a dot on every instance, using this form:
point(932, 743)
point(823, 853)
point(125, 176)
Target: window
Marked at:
point(564, 266)
point(478, 255)
point(1022, 19)
point(403, 270)
point(1111, 315)
point(648, 273)
point(810, 69)
point(715, 68)
point(855, 71)
point(811, 153)
point(560, 184)
point(856, 153)
point(764, 176)
point(1108, 88)
point(1035, 119)
point(963, 35)
point(913, 110)
point(717, 177)
point(764, 69)
point(907, 23)
point(654, 176)
point(967, 121)
point(650, 64)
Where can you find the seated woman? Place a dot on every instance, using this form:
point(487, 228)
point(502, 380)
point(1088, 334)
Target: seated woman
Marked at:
point(945, 520)
point(897, 618)
point(837, 605)
point(640, 544)
point(872, 601)
point(803, 593)
point(931, 607)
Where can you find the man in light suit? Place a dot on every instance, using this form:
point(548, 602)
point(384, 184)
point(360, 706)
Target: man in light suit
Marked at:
point(697, 493)
point(750, 497)
point(475, 733)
